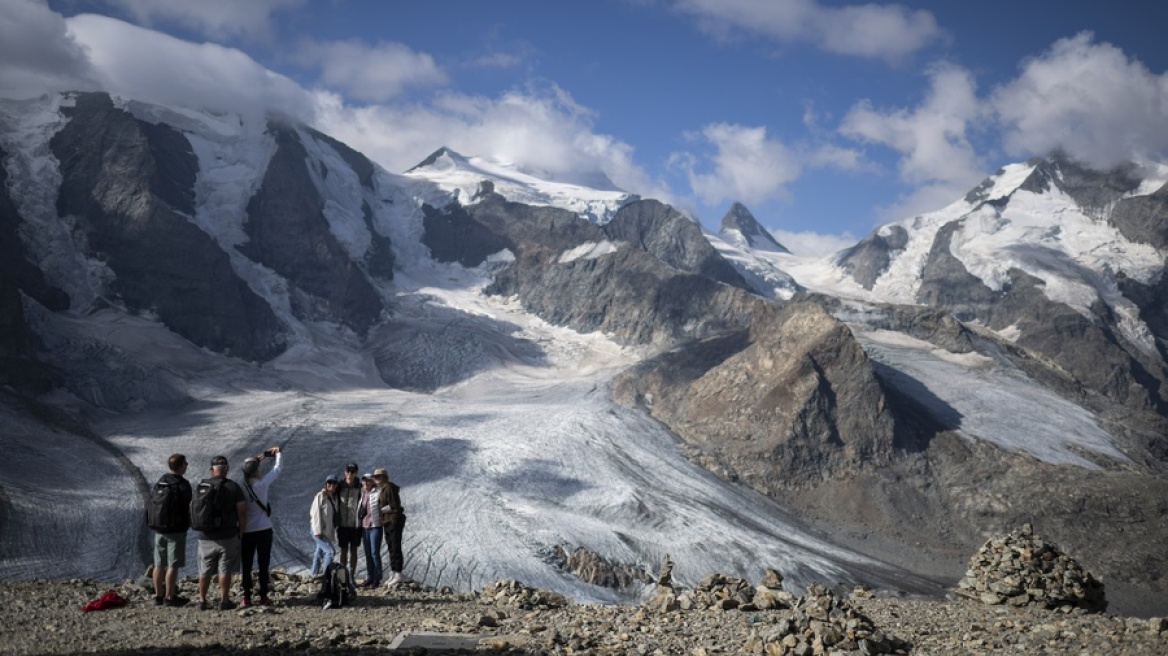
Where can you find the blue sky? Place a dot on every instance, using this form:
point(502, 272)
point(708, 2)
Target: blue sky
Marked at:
point(824, 118)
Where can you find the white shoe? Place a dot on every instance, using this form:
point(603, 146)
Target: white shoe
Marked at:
point(393, 579)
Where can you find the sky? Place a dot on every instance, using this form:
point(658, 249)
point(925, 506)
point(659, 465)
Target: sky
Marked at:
point(826, 119)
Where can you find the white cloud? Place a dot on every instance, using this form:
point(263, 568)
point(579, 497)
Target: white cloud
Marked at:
point(213, 18)
point(140, 63)
point(37, 54)
point(373, 73)
point(540, 130)
point(747, 166)
point(936, 157)
point(1087, 98)
point(750, 167)
point(880, 31)
point(813, 243)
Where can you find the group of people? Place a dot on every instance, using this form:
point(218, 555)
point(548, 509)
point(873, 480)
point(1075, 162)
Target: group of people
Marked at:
point(233, 525)
point(349, 512)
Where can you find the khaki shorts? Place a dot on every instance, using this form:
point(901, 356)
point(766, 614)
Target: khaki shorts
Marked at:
point(170, 549)
point(218, 556)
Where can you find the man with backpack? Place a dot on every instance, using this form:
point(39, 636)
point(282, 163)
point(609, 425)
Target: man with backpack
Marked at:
point(218, 514)
point(168, 514)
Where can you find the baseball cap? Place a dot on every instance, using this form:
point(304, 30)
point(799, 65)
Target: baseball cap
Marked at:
point(219, 461)
point(330, 479)
point(352, 466)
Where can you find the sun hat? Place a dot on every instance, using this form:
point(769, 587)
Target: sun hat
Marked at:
point(380, 471)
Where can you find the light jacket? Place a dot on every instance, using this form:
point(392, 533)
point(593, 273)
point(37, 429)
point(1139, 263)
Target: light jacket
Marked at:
point(369, 510)
point(257, 519)
point(323, 515)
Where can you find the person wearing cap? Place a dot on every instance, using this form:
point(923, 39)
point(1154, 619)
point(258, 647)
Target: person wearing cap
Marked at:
point(348, 523)
point(256, 541)
point(371, 528)
point(393, 520)
point(323, 518)
point(170, 547)
point(219, 547)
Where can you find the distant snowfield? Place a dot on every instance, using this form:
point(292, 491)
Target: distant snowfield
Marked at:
point(989, 400)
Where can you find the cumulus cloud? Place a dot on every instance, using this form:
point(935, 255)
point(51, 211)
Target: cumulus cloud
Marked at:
point(153, 67)
point(37, 54)
point(932, 140)
point(1089, 99)
point(748, 166)
point(880, 31)
point(542, 130)
point(212, 18)
point(373, 73)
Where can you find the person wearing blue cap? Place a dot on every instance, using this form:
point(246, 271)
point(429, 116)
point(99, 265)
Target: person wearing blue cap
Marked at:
point(323, 518)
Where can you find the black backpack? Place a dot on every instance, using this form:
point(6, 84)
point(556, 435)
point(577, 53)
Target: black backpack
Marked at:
point(336, 586)
point(165, 510)
point(209, 507)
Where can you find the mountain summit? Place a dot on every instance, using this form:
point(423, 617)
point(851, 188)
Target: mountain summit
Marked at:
point(739, 226)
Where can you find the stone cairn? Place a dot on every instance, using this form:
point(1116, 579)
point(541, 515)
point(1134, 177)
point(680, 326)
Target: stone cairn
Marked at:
point(1022, 569)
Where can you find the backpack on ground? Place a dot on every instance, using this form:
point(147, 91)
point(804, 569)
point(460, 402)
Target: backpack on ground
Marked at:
point(336, 587)
point(165, 512)
point(208, 511)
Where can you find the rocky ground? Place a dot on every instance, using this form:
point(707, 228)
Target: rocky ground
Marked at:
point(45, 617)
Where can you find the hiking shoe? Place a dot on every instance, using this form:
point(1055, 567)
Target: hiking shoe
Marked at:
point(203, 605)
point(227, 604)
point(245, 602)
point(158, 601)
point(264, 601)
point(394, 579)
point(176, 602)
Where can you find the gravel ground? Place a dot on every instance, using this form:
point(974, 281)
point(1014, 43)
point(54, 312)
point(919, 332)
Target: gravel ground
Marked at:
point(44, 617)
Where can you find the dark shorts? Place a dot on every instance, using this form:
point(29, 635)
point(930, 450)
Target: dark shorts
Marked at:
point(349, 536)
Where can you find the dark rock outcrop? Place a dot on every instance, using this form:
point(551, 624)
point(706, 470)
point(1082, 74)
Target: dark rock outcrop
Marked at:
point(869, 259)
point(673, 239)
point(628, 293)
point(1094, 191)
point(792, 401)
point(289, 233)
point(1144, 219)
point(739, 219)
point(129, 184)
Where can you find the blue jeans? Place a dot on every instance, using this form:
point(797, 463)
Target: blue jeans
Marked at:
point(372, 543)
point(322, 557)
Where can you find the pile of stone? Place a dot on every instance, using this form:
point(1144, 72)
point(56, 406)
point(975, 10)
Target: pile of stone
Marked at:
point(593, 568)
point(1022, 569)
point(722, 592)
point(509, 592)
point(822, 624)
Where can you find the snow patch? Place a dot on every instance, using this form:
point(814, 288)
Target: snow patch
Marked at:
point(589, 251)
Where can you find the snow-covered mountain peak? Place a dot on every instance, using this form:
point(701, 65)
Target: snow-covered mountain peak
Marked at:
point(741, 228)
point(590, 194)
